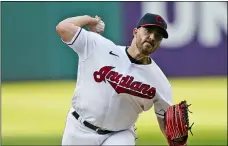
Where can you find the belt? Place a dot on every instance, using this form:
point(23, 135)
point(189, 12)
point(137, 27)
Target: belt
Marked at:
point(95, 128)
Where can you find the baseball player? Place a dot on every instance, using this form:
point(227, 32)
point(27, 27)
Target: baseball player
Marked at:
point(114, 83)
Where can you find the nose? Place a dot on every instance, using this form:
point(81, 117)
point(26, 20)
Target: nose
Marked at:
point(152, 36)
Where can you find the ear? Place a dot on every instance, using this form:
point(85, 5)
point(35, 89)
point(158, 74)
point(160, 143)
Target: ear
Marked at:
point(135, 31)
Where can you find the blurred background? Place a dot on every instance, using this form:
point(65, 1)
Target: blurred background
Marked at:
point(38, 71)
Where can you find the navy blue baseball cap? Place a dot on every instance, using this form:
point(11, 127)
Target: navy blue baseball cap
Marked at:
point(153, 20)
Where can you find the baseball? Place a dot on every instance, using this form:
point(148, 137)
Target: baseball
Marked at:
point(100, 27)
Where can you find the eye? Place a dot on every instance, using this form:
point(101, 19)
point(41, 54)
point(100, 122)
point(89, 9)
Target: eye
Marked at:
point(146, 30)
point(149, 30)
point(158, 36)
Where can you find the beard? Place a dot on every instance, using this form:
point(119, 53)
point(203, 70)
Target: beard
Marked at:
point(145, 48)
point(148, 48)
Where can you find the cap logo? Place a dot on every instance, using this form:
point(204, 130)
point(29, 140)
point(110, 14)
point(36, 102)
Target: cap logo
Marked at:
point(159, 19)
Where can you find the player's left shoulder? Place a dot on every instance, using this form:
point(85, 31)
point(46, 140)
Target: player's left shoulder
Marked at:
point(161, 77)
point(159, 71)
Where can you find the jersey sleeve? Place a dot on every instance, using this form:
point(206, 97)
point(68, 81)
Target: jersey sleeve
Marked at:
point(84, 42)
point(163, 101)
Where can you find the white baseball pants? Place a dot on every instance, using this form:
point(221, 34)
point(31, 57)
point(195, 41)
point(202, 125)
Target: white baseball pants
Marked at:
point(76, 133)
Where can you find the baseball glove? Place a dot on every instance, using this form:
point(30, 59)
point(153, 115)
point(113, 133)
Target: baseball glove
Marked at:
point(177, 124)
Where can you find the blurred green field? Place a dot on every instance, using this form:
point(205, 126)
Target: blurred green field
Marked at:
point(34, 113)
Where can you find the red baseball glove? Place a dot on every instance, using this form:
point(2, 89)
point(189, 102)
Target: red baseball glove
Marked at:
point(177, 124)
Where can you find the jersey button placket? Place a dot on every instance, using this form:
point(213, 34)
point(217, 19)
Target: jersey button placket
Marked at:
point(124, 75)
point(114, 93)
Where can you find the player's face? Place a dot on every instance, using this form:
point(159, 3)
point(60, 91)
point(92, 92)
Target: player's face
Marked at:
point(148, 39)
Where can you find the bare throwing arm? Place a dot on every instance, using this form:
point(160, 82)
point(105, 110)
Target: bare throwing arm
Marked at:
point(68, 27)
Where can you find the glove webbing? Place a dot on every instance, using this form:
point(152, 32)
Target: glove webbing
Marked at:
point(185, 111)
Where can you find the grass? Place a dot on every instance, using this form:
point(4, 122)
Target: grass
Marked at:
point(33, 113)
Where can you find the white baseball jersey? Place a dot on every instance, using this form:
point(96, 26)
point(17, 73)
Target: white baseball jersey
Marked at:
point(111, 91)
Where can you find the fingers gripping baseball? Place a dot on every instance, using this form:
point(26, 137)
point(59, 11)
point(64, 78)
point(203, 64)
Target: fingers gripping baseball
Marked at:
point(100, 26)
